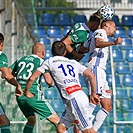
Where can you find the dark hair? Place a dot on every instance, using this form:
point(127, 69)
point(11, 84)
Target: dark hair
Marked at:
point(58, 48)
point(93, 22)
point(1, 38)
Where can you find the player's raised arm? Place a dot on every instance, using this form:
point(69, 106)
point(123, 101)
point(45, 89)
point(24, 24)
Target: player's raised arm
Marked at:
point(30, 82)
point(92, 79)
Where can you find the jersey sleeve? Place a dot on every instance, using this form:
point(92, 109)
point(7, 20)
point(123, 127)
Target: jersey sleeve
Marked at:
point(100, 33)
point(81, 68)
point(3, 61)
point(44, 66)
point(13, 66)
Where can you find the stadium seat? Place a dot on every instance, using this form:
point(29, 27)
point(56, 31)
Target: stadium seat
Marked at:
point(79, 18)
point(56, 39)
point(64, 19)
point(124, 129)
point(51, 93)
point(48, 54)
point(39, 32)
point(130, 32)
point(128, 80)
point(54, 33)
point(126, 44)
point(121, 94)
point(31, 19)
point(120, 32)
point(116, 19)
point(66, 29)
point(45, 41)
point(125, 105)
point(122, 68)
point(131, 95)
point(58, 105)
point(127, 20)
point(48, 19)
point(108, 68)
point(106, 129)
point(117, 55)
point(117, 80)
point(129, 55)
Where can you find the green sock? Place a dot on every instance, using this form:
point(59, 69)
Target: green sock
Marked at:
point(28, 129)
point(5, 129)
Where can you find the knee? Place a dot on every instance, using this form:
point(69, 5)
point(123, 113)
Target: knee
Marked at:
point(108, 108)
point(32, 120)
point(4, 120)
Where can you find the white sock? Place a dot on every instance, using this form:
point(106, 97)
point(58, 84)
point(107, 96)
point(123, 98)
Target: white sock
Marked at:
point(91, 108)
point(99, 119)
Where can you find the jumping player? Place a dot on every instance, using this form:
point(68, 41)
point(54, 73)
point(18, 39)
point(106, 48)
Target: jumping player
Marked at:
point(98, 51)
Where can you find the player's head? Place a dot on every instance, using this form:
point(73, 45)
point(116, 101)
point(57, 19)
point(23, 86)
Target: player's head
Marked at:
point(58, 48)
point(38, 49)
point(93, 22)
point(1, 41)
point(109, 27)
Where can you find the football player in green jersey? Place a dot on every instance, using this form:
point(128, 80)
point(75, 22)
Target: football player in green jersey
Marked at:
point(4, 121)
point(78, 35)
point(23, 69)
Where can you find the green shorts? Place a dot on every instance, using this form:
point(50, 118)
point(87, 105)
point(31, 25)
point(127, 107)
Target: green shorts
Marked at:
point(2, 111)
point(30, 106)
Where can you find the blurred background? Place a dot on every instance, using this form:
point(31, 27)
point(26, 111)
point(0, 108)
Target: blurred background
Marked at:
point(24, 22)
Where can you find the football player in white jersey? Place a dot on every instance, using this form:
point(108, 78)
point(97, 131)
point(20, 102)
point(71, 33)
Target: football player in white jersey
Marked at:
point(65, 73)
point(97, 47)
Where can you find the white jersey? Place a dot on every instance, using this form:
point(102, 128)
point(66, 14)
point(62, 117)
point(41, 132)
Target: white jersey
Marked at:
point(98, 56)
point(65, 73)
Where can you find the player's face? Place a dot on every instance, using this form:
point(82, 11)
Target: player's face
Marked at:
point(112, 29)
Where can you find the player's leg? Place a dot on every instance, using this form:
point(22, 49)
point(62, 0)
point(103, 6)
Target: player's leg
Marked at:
point(44, 110)
point(105, 99)
point(30, 124)
point(54, 118)
point(4, 121)
point(28, 113)
point(102, 113)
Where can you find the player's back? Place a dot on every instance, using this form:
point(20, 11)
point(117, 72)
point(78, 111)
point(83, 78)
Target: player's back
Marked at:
point(65, 73)
point(24, 67)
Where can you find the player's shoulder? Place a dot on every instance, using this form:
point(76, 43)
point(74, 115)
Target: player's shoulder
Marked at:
point(99, 30)
point(100, 33)
point(3, 55)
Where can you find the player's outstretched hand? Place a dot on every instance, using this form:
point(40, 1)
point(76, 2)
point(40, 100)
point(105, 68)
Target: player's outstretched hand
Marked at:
point(118, 40)
point(95, 99)
point(19, 91)
point(29, 94)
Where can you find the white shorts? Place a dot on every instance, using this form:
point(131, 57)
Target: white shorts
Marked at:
point(77, 112)
point(1, 109)
point(102, 87)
